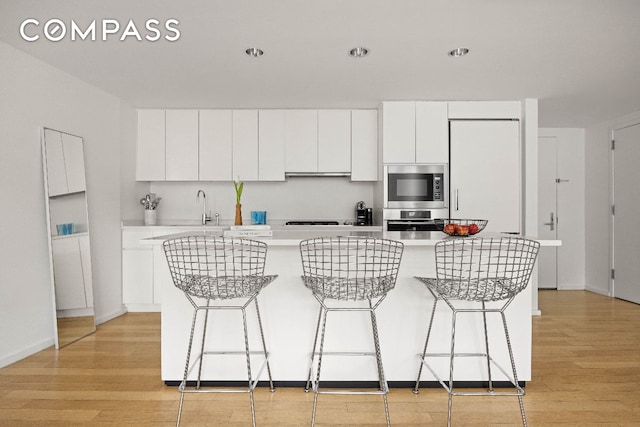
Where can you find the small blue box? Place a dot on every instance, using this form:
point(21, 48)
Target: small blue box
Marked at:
point(64, 229)
point(258, 217)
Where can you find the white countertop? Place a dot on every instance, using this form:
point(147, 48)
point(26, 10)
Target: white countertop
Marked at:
point(292, 236)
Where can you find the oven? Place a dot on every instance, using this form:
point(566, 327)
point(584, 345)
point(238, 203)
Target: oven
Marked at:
point(413, 219)
point(423, 186)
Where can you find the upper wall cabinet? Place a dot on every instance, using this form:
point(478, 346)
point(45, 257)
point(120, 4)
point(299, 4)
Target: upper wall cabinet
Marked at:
point(181, 163)
point(399, 132)
point(301, 140)
point(215, 154)
point(432, 132)
point(255, 145)
point(271, 137)
point(150, 152)
point(334, 140)
point(318, 141)
point(415, 132)
point(364, 145)
point(484, 110)
point(245, 144)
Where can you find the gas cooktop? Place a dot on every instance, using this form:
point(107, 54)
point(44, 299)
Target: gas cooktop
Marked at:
point(312, 223)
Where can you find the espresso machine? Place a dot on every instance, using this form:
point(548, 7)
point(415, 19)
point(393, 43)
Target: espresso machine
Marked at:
point(364, 215)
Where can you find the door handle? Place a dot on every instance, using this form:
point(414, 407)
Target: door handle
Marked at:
point(550, 224)
point(558, 180)
point(457, 201)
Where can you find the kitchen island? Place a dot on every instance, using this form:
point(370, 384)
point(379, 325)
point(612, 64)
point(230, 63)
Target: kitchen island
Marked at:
point(289, 314)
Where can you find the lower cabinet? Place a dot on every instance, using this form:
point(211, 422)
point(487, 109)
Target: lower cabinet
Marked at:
point(137, 271)
point(137, 277)
point(144, 268)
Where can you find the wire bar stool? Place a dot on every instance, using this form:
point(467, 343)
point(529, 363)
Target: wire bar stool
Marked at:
point(481, 271)
point(360, 271)
point(209, 269)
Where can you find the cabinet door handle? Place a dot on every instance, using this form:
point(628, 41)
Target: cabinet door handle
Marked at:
point(457, 201)
point(551, 224)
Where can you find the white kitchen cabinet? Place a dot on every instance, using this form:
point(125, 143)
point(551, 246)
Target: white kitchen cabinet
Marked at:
point(301, 140)
point(245, 144)
point(150, 147)
point(432, 132)
point(485, 173)
point(484, 110)
point(68, 273)
point(65, 163)
point(415, 132)
point(334, 141)
point(215, 138)
point(137, 277)
point(398, 132)
point(161, 274)
point(271, 137)
point(137, 271)
point(181, 145)
point(364, 145)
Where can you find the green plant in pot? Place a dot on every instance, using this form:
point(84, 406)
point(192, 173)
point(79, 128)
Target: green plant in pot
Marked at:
point(239, 186)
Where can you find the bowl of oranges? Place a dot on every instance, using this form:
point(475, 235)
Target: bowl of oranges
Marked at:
point(461, 227)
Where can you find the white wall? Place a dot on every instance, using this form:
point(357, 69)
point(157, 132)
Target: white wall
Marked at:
point(296, 198)
point(598, 202)
point(34, 94)
point(571, 205)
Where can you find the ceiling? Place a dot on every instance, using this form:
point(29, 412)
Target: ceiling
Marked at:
point(580, 58)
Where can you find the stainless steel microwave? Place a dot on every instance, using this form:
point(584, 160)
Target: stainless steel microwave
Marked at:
point(423, 186)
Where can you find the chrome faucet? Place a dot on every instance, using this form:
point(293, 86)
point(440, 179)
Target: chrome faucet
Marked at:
point(205, 217)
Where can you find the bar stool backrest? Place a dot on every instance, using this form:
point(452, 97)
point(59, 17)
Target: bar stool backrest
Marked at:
point(214, 267)
point(350, 268)
point(484, 269)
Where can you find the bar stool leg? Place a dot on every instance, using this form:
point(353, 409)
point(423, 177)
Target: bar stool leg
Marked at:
point(204, 337)
point(451, 358)
point(186, 366)
point(313, 351)
point(416, 389)
point(382, 380)
point(246, 346)
point(513, 367)
point(264, 347)
point(486, 346)
point(316, 390)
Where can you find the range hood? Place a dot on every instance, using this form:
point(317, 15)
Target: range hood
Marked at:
point(316, 174)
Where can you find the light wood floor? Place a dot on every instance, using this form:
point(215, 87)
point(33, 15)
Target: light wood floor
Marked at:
point(586, 371)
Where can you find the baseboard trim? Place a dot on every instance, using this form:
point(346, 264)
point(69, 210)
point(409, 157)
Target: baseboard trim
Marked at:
point(143, 308)
point(598, 291)
point(26, 352)
point(106, 317)
point(350, 384)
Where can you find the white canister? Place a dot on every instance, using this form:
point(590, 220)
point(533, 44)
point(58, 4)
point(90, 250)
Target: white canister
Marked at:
point(150, 216)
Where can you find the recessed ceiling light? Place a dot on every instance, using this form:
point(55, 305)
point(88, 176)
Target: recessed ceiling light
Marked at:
point(461, 51)
point(359, 52)
point(254, 52)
